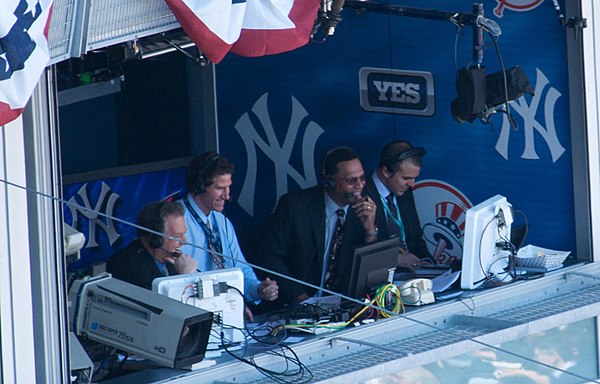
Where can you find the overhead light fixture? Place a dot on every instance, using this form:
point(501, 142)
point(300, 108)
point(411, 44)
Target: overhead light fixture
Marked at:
point(480, 95)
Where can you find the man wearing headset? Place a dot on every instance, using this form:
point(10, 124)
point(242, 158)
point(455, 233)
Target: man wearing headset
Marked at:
point(152, 255)
point(208, 181)
point(297, 236)
point(390, 186)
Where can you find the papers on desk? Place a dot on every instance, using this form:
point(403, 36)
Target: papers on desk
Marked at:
point(444, 281)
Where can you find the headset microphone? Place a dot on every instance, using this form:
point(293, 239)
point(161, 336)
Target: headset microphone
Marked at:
point(354, 197)
point(175, 254)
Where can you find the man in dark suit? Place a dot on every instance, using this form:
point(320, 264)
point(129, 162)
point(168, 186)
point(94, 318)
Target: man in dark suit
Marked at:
point(298, 236)
point(152, 255)
point(390, 186)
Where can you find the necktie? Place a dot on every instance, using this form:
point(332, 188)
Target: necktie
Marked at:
point(393, 227)
point(214, 244)
point(164, 271)
point(334, 248)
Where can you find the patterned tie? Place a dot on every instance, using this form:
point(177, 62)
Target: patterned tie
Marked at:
point(393, 228)
point(214, 245)
point(334, 248)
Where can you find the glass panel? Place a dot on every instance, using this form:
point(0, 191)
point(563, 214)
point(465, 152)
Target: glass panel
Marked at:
point(566, 354)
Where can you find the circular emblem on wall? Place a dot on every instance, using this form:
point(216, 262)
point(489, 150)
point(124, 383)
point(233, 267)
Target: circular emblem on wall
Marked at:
point(442, 210)
point(515, 5)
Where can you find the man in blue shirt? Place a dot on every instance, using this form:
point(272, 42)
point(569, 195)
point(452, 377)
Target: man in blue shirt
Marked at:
point(214, 242)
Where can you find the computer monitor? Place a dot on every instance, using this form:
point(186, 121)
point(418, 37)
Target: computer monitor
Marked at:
point(210, 291)
point(371, 266)
point(486, 242)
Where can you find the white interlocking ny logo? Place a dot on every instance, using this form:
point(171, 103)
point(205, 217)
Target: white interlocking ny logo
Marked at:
point(279, 153)
point(105, 204)
point(528, 113)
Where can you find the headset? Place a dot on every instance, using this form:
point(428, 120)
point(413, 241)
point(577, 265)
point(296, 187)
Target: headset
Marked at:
point(403, 155)
point(328, 181)
point(197, 177)
point(155, 241)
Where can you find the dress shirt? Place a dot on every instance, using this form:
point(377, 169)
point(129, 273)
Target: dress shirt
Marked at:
point(231, 249)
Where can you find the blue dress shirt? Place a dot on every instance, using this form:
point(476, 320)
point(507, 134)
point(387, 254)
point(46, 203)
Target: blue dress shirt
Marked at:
point(231, 249)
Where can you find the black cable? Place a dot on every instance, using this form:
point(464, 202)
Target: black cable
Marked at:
point(297, 376)
point(485, 272)
point(511, 119)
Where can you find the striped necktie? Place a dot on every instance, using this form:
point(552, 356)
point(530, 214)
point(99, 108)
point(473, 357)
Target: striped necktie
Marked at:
point(331, 277)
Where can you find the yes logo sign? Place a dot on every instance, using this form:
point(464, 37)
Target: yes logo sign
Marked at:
point(395, 91)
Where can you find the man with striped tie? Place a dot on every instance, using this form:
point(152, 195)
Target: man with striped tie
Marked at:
point(312, 234)
point(214, 244)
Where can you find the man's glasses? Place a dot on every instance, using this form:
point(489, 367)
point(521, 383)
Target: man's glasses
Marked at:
point(352, 180)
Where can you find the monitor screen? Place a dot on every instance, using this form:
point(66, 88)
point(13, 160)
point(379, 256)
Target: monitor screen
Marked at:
point(371, 265)
point(486, 243)
point(210, 291)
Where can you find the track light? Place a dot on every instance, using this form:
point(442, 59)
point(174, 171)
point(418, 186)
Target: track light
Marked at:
point(480, 95)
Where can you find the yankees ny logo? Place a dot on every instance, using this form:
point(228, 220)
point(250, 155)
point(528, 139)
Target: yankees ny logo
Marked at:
point(16, 46)
point(279, 153)
point(528, 112)
point(106, 201)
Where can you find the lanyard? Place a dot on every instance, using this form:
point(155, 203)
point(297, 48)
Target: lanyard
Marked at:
point(213, 241)
point(210, 231)
point(397, 218)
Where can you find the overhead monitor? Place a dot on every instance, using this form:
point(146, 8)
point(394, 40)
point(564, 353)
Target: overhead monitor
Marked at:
point(372, 265)
point(486, 242)
point(211, 291)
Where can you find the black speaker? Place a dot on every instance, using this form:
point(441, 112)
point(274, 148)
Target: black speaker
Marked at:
point(410, 152)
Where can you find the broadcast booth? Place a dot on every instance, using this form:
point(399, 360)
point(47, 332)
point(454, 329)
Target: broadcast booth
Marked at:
point(130, 96)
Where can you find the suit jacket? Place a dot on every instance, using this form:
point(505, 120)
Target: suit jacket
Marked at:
point(408, 211)
point(293, 243)
point(133, 264)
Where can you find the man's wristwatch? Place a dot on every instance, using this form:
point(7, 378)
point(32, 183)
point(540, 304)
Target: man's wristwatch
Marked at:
point(372, 233)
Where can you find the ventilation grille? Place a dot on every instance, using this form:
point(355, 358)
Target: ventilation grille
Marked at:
point(79, 26)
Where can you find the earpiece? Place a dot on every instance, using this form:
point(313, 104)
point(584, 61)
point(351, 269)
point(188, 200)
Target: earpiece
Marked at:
point(329, 165)
point(410, 152)
point(329, 183)
point(154, 240)
point(199, 173)
point(152, 218)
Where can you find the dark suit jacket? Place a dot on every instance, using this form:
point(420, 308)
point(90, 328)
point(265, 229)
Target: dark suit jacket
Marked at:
point(135, 265)
point(408, 211)
point(293, 243)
